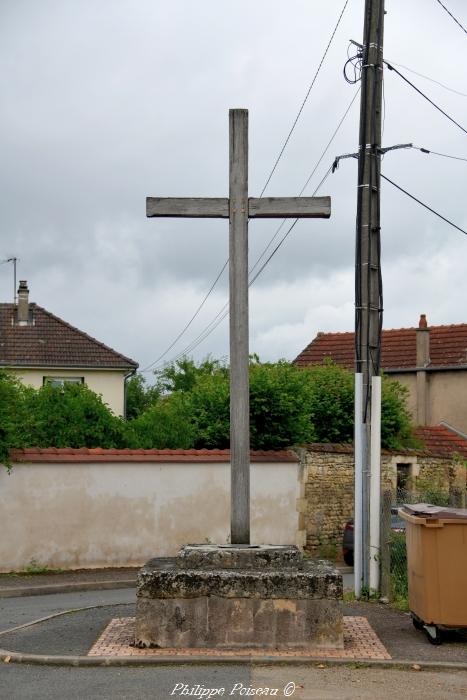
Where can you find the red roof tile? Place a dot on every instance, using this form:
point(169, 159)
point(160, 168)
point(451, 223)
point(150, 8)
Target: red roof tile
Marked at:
point(440, 440)
point(52, 342)
point(448, 347)
point(84, 454)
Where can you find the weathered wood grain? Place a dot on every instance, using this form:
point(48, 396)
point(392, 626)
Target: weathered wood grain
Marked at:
point(289, 207)
point(238, 274)
point(193, 207)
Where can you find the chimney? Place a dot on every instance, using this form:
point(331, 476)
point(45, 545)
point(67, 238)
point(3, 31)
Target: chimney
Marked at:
point(23, 303)
point(423, 360)
point(423, 342)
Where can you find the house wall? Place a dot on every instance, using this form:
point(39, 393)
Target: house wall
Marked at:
point(74, 515)
point(329, 489)
point(409, 380)
point(445, 397)
point(109, 383)
point(448, 398)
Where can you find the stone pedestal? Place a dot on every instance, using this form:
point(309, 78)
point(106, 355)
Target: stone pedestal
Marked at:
point(239, 596)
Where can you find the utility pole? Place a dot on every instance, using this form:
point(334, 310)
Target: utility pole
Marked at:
point(368, 284)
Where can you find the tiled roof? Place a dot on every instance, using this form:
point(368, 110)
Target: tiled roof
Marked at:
point(84, 454)
point(448, 347)
point(441, 440)
point(52, 342)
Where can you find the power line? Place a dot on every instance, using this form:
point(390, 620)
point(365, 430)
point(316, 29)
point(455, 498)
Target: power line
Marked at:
point(451, 15)
point(432, 80)
point(304, 100)
point(189, 322)
point(211, 289)
point(334, 134)
point(223, 313)
point(391, 67)
point(424, 205)
point(435, 153)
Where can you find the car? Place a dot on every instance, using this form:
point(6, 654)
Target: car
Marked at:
point(397, 525)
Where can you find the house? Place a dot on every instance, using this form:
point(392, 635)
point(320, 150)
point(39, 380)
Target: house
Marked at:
point(40, 348)
point(431, 361)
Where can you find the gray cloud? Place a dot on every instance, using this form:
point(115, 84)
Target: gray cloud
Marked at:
point(105, 103)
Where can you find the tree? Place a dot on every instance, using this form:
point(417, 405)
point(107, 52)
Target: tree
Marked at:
point(12, 413)
point(183, 374)
point(288, 405)
point(68, 416)
point(167, 424)
point(139, 397)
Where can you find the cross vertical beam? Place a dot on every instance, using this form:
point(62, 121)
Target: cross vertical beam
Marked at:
point(239, 351)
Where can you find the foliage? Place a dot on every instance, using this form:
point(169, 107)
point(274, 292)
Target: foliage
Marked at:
point(188, 407)
point(12, 394)
point(396, 428)
point(68, 416)
point(280, 406)
point(288, 405)
point(331, 402)
point(183, 374)
point(165, 425)
point(139, 397)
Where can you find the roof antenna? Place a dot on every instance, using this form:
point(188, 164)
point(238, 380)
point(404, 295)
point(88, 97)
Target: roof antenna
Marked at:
point(14, 260)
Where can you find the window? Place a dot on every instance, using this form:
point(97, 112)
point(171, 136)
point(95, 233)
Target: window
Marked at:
point(60, 381)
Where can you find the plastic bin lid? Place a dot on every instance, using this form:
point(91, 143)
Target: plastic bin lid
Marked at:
point(426, 510)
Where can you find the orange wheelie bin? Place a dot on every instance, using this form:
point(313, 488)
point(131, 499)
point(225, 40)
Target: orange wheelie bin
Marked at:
point(437, 567)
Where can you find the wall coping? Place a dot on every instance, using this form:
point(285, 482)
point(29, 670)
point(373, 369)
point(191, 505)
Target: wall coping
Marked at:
point(347, 448)
point(84, 454)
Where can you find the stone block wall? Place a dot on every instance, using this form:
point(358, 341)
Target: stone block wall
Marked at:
point(328, 473)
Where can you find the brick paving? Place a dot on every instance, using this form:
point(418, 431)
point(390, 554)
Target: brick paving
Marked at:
point(360, 642)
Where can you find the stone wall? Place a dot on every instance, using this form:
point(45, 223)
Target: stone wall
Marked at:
point(328, 472)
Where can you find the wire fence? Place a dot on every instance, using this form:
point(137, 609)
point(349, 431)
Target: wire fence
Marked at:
point(394, 578)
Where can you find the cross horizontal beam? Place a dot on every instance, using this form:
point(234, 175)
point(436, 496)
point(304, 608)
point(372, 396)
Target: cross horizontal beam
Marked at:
point(258, 208)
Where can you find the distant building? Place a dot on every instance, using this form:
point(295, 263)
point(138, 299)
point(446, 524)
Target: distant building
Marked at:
point(40, 348)
point(431, 361)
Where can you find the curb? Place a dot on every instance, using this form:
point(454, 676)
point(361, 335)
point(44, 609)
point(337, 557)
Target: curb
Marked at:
point(45, 589)
point(119, 661)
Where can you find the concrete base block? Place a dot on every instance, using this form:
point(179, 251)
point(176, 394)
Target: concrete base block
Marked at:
point(186, 603)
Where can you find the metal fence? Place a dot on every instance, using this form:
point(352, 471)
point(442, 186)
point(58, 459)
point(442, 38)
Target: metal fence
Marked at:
point(393, 546)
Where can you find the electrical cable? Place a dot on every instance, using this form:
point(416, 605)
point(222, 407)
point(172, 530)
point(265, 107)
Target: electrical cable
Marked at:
point(424, 205)
point(435, 153)
point(334, 134)
point(451, 15)
point(224, 311)
point(432, 80)
point(189, 322)
point(391, 67)
point(304, 100)
point(189, 348)
point(211, 289)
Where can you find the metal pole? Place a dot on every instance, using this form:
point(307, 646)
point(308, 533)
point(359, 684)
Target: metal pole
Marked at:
point(239, 355)
point(368, 284)
point(358, 481)
point(375, 485)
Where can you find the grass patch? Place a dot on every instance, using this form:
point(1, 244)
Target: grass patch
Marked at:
point(34, 568)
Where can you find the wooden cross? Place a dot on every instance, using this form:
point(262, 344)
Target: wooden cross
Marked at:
point(239, 208)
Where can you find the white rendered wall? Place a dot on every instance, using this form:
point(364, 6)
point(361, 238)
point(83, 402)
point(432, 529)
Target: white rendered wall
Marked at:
point(78, 515)
point(110, 384)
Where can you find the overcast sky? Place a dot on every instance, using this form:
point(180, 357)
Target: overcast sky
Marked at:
point(107, 102)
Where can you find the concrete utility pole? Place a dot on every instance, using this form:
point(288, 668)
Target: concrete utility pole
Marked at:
point(368, 285)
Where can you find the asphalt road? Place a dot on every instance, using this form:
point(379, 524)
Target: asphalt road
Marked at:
point(24, 682)
point(18, 682)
